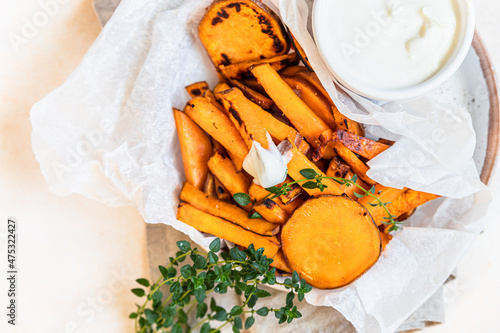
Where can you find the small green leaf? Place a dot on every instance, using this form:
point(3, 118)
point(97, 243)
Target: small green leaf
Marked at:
point(242, 286)
point(184, 246)
point(242, 199)
point(143, 282)
point(354, 178)
point(139, 292)
point(236, 254)
point(236, 311)
point(157, 296)
point(254, 215)
point(357, 195)
point(205, 328)
point(199, 294)
point(212, 257)
point(289, 299)
point(235, 329)
point(308, 173)
point(310, 185)
point(177, 328)
point(221, 315)
point(249, 322)
point(372, 190)
point(215, 245)
point(262, 293)
point(201, 310)
point(252, 300)
point(238, 323)
point(163, 271)
point(295, 277)
point(151, 316)
point(264, 311)
point(133, 315)
point(273, 189)
point(300, 296)
point(187, 271)
point(221, 288)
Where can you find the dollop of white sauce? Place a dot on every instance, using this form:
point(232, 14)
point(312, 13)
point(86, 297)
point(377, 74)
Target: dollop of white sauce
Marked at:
point(267, 166)
point(393, 44)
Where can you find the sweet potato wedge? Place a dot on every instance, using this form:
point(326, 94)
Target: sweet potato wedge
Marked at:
point(270, 211)
point(281, 263)
point(330, 241)
point(292, 70)
point(342, 122)
point(357, 166)
point(385, 194)
point(224, 170)
point(196, 148)
point(218, 125)
point(243, 30)
point(242, 114)
point(407, 201)
point(209, 186)
point(221, 191)
point(302, 117)
point(300, 162)
point(227, 211)
point(218, 227)
point(385, 238)
point(359, 145)
point(279, 214)
point(300, 51)
point(197, 89)
point(314, 99)
point(338, 168)
point(241, 71)
point(256, 97)
point(221, 86)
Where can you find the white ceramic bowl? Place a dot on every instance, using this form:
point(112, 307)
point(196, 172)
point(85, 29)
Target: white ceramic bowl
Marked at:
point(323, 38)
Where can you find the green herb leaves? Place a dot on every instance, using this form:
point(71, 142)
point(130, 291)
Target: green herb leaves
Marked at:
point(313, 180)
point(190, 286)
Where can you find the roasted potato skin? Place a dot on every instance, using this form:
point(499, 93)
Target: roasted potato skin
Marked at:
point(243, 30)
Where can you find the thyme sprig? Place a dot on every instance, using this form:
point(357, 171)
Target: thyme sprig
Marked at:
point(313, 180)
point(244, 271)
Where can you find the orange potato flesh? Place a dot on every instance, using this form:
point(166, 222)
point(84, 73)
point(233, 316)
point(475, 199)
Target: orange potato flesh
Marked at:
point(357, 166)
point(253, 95)
point(359, 145)
point(302, 117)
point(196, 149)
point(221, 228)
point(330, 241)
point(197, 89)
point(239, 71)
point(224, 170)
point(271, 212)
point(407, 201)
point(300, 162)
point(312, 97)
point(241, 111)
point(227, 211)
point(281, 263)
point(217, 125)
point(384, 194)
point(240, 31)
point(340, 169)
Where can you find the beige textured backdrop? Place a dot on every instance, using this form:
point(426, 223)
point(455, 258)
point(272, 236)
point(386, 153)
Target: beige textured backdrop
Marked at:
point(78, 258)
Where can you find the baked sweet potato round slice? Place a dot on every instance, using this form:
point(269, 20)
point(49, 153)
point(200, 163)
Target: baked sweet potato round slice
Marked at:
point(330, 241)
point(243, 30)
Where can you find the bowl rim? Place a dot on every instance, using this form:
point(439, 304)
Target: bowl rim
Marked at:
point(460, 53)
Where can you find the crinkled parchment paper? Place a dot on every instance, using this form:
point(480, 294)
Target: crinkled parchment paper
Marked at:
point(108, 133)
